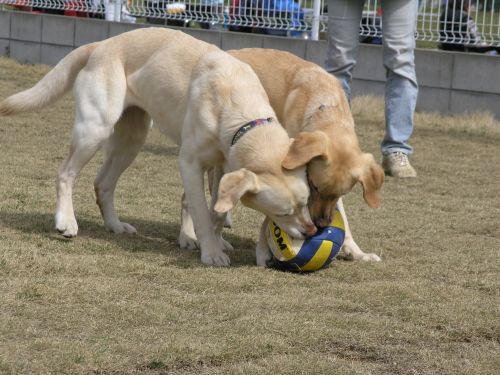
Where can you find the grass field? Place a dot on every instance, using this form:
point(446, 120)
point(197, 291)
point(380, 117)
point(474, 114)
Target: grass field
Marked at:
point(136, 304)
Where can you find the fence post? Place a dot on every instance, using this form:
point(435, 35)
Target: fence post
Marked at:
point(118, 10)
point(315, 20)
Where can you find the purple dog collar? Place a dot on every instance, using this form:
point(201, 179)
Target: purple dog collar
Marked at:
point(248, 126)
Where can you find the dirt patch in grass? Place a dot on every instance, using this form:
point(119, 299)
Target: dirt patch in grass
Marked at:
point(108, 304)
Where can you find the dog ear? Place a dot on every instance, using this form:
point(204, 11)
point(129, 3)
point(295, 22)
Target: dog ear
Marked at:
point(371, 179)
point(306, 146)
point(233, 186)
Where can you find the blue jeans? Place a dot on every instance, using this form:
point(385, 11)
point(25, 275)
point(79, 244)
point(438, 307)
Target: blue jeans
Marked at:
point(398, 24)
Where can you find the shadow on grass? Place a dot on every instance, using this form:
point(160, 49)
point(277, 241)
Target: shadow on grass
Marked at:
point(152, 236)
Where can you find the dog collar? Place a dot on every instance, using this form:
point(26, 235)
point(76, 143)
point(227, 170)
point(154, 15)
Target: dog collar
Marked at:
point(248, 126)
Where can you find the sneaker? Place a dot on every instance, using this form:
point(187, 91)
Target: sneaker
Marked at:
point(397, 164)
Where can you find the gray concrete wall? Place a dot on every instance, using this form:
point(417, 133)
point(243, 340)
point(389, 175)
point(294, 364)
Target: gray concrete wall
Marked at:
point(449, 82)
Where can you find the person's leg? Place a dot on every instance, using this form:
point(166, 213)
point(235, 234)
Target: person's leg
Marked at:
point(401, 89)
point(344, 17)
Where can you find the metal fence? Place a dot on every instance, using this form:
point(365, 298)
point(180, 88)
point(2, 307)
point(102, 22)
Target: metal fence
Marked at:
point(469, 23)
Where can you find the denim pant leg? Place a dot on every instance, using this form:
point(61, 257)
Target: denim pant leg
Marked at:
point(344, 17)
point(399, 22)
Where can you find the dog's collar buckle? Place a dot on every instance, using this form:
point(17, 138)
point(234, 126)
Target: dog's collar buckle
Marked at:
point(248, 126)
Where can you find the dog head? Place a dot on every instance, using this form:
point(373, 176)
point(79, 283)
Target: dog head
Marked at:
point(283, 197)
point(333, 169)
point(259, 180)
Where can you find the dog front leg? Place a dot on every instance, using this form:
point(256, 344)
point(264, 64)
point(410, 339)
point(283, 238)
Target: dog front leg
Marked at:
point(214, 176)
point(218, 219)
point(187, 237)
point(262, 252)
point(193, 178)
point(351, 249)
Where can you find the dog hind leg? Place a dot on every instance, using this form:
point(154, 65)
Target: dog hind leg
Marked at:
point(121, 149)
point(81, 151)
point(99, 105)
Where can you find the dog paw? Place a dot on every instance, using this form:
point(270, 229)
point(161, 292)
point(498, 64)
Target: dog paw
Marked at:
point(361, 256)
point(353, 252)
point(263, 255)
point(218, 259)
point(264, 260)
point(370, 257)
point(187, 243)
point(67, 228)
point(120, 227)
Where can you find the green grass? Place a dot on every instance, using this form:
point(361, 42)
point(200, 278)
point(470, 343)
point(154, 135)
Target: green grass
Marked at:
point(108, 304)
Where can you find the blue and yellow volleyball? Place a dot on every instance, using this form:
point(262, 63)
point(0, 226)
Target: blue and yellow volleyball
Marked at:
point(311, 254)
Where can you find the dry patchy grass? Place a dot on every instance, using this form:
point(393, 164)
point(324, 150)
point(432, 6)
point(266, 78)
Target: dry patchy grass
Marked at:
point(109, 304)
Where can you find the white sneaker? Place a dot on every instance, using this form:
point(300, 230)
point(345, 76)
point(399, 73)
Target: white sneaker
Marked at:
point(396, 164)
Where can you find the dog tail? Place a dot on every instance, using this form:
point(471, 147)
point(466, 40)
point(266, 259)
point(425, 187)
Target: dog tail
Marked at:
point(52, 86)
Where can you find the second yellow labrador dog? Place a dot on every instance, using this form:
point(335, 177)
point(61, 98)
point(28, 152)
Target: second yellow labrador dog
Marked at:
point(311, 105)
point(210, 103)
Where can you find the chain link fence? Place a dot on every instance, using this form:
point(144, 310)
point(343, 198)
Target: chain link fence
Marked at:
point(468, 24)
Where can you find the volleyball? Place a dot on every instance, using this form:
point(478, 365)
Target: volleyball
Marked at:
point(311, 254)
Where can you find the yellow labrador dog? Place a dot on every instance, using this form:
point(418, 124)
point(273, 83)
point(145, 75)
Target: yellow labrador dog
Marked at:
point(210, 103)
point(311, 104)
